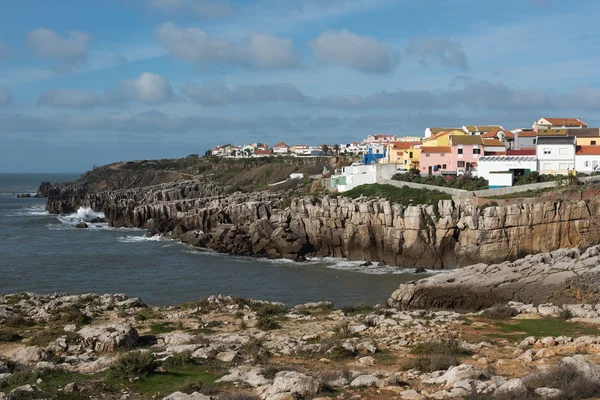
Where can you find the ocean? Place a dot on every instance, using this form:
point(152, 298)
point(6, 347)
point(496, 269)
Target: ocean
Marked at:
point(46, 253)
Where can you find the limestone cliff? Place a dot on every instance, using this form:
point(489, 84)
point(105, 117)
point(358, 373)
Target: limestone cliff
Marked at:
point(446, 235)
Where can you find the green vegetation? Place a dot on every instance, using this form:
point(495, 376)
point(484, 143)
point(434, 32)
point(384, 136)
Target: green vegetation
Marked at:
point(526, 194)
point(465, 182)
point(135, 364)
point(535, 177)
point(157, 329)
point(255, 352)
point(446, 346)
point(358, 308)
point(499, 312)
point(405, 195)
point(522, 328)
point(265, 323)
point(573, 383)
point(436, 355)
point(146, 314)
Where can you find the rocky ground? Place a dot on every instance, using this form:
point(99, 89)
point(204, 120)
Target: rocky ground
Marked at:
point(114, 347)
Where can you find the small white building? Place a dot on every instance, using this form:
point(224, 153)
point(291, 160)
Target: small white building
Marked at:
point(380, 138)
point(555, 154)
point(356, 175)
point(558, 123)
point(496, 168)
point(281, 148)
point(587, 159)
point(354, 148)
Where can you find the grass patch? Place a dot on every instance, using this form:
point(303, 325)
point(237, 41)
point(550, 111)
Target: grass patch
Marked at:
point(520, 329)
point(49, 335)
point(8, 334)
point(255, 352)
point(135, 364)
point(527, 193)
point(265, 323)
point(404, 195)
point(359, 308)
point(431, 362)
point(446, 346)
point(146, 314)
point(165, 327)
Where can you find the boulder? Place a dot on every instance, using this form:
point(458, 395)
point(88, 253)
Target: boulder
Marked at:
point(455, 374)
point(364, 381)
point(585, 366)
point(514, 387)
point(292, 382)
point(227, 356)
point(81, 225)
point(184, 396)
point(108, 338)
point(411, 394)
point(29, 355)
point(548, 393)
point(174, 338)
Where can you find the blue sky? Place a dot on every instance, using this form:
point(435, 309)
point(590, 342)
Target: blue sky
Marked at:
point(86, 82)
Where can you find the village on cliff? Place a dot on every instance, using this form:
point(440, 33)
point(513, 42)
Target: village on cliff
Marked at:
point(555, 146)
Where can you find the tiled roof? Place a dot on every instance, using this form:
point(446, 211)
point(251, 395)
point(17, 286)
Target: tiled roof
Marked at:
point(281, 144)
point(494, 134)
point(555, 140)
point(262, 152)
point(438, 130)
point(403, 145)
point(483, 128)
point(465, 139)
point(566, 122)
point(527, 134)
point(522, 152)
point(588, 151)
point(492, 142)
point(552, 132)
point(436, 149)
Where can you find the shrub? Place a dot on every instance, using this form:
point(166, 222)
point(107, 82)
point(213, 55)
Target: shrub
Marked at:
point(359, 308)
point(71, 315)
point(465, 182)
point(254, 351)
point(431, 363)
point(565, 314)
point(8, 334)
point(206, 388)
point(342, 331)
point(146, 314)
point(133, 364)
point(269, 309)
point(180, 361)
point(500, 312)
point(266, 323)
point(573, 383)
point(18, 322)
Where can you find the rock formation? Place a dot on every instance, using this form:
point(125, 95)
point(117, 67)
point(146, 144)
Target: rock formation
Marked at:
point(446, 235)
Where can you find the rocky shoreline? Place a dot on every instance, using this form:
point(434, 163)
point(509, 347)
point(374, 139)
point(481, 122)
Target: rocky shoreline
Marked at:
point(269, 224)
point(223, 348)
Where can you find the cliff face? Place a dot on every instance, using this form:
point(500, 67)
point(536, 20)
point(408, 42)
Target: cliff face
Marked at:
point(448, 235)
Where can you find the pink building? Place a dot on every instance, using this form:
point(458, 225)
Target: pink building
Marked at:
point(458, 158)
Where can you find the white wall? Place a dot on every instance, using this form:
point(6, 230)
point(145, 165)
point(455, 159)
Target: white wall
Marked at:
point(484, 167)
point(586, 163)
point(500, 180)
point(560, 159)
point(357, 175)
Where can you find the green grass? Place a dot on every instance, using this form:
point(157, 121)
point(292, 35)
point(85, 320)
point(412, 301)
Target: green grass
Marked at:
point(404, 195)
point(526, 194)
point(519, 329)
point(165, 327)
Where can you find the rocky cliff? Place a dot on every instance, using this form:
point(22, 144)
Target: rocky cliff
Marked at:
point(446, 235)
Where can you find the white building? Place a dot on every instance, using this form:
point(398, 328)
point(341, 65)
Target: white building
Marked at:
point(356, 175)
point(496, 168)
point(555, 154)
point(379, 138)
point(587, 159)
point(281, 148)
point(354, 148)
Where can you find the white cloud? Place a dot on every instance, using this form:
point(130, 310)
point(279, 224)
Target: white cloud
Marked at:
point(202, 8)
point(217, 94)
point(363, 53)
point(437, 49)
point(258, 50)
point(148, 88)
point(5, 97)
point(69, 51)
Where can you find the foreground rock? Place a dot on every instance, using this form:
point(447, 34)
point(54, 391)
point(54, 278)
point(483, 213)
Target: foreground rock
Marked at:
point(556, 276)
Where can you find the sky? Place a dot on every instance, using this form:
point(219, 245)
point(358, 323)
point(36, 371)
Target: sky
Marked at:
point(89, 82)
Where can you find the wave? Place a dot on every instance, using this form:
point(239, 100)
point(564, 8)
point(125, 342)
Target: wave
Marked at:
point(36, 210)
point(86, 214)
point(140, 239)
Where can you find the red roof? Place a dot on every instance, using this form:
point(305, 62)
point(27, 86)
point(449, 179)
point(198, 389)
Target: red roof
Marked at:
point(262, 152)
point(588, 151)
point(522, 152)
point(527, 134)
point(493, 143)
point(566, 122)
point(495, 153)
point(435, 149)
point(281, 144)
point(403, 145)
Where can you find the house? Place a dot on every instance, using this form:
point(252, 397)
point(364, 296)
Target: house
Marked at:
point(261, 153)
point(354, 148)
point(395, 152)
point(281, 148)
point(524, 139)
point(506, 137)
point(441, 138)
point(456, 159)
point(356, 175)
point(376, 153)
point(299, 149)
point(500, 171)
point(413, 139)
point(558, 123)
point(411, 157)
point(587, 159)
point(480, 129)
point(556, 154)
point(434, 131)
point(585, 136)
point(379, 138)
point(493, 146)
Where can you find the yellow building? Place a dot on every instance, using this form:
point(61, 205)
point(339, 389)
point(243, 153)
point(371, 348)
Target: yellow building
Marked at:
point(441, 138)
point(411, 157)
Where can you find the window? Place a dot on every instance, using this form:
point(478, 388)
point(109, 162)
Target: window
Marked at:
point(410, 155)
point(461, 164)
point(534, 141)
point(426, 155)
point(443, 154)
point(444, 166)
point(405, 162)
point(587, 163)
point(593, 143)
point(562, 151)
point(547, 151)
point(476, 150)
point(460, 151)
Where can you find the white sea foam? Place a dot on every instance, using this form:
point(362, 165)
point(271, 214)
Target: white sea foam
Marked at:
point(87, 214)
point(140, 239)
point(36, 210)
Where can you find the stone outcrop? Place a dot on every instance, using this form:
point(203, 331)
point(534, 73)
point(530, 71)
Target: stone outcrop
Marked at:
point(535, 279)
point(446, 235)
